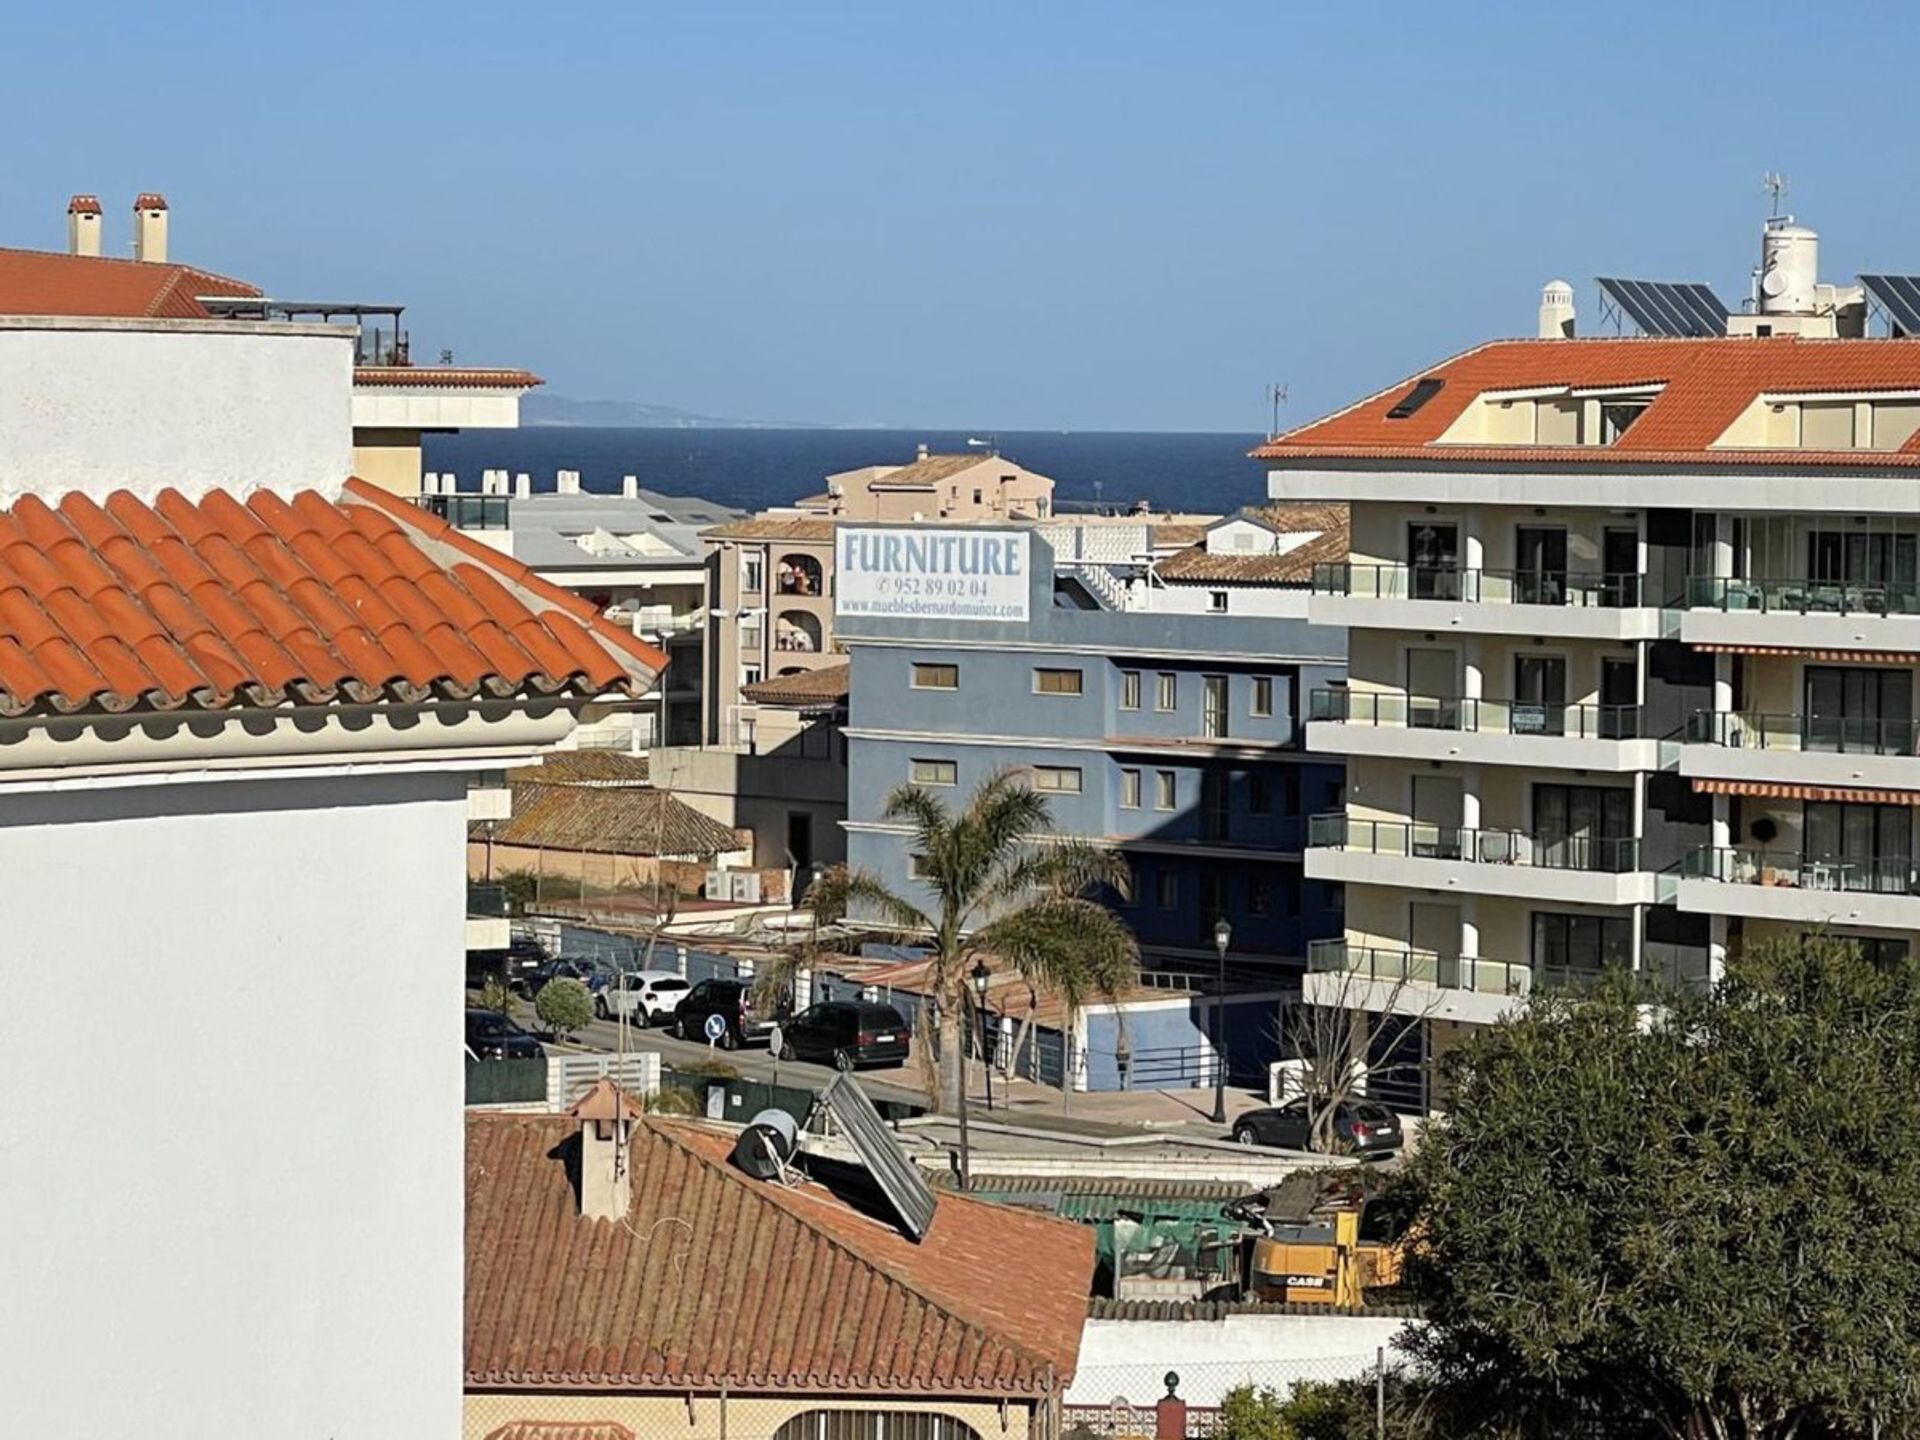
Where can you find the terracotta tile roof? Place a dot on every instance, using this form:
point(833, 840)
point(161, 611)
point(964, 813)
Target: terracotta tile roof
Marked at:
point(1708, 383)
point(582, 767)
point(149, 200)
point(446, 377)
point(49, 282)
point(829, 685)
point(84, 205)
point(772, 527)
point(561, 1430)
point(563, 808)
point(716, 1279)
point(1295, 567)
point(1165, 537)
point(216, 602)
point(923, 474)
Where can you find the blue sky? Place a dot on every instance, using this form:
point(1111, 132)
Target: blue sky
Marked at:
point(1060, 214)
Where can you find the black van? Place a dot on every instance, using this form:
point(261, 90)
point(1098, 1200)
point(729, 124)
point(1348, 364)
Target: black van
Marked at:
point(846, 1033)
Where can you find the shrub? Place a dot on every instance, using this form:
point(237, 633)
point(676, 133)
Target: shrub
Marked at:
point(494, 995)
point(522, 888)
point(1250, 1414)
point(563, 1006)
point(675, 1100)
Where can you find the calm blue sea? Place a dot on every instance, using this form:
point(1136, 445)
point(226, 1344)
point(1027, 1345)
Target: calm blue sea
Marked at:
point(756, 468)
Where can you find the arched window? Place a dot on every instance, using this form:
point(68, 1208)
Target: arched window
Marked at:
point(874, 1425)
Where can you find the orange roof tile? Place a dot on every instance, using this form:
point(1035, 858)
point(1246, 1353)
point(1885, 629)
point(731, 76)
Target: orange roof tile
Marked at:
point(220, 601)
point(49, 282)
point(1707, 383)
point(717, 1279)
point(447, 377)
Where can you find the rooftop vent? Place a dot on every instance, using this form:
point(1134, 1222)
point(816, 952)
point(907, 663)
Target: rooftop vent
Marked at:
point(1420, 394)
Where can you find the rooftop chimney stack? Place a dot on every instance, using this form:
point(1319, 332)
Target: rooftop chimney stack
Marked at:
point(922, 453)
point(630, 486)
point(606, 1117)
point(150, 228)
point(83, 225)
point(1556, 310)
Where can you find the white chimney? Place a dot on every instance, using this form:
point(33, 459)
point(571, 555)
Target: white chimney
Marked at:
point(607, 1117)
point(630, 486)
point(522, 485)
point(493, 482)
point(83, 225)
point(1556, 310)
point(921, 454)
point(150, 228)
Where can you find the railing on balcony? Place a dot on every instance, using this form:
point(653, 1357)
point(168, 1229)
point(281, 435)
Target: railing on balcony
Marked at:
point(1880, 875)
point(1659, 965)
point(1826, 734)
point(1804, 596)
point(1475, 715)
point(1575, 588)
point(486, 902)
point(1416, 840)
point(468, 512)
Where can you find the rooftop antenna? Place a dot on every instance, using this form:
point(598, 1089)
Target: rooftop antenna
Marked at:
point(1277, 396)
point(1775, 184)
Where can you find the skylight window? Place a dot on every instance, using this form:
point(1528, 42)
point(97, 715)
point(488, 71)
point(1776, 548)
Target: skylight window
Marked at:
point(1420, 394)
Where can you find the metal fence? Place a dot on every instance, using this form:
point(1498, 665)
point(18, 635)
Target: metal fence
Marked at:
point(1119, 1402)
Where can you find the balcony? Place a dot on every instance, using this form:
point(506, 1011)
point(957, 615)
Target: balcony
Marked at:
point(1563, 604)
point(1881, 891)
point(1802, 749)
point(487, 925)
point(1575, 869)
point(1476, 730)
point(1818, 614)
point(469, 512)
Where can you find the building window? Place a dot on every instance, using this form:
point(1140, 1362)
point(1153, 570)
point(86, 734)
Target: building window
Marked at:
point(749, 674)
point(1164, 693)
point(752, 573)
point(1337, 899)
point(977, 495)
point(1169, 890)
point(1056, 682)
point(1129, 789)
point(1259, 794)
point(1259, 897)
point(936, 677)
point(935, 772)
point(1164, 790)
point(917, 867)
point(1213, 707)
point(874, 1425)
point(1057, 779)
point(1263, 695)
point(1129, 689)
point(1131, 895)
point(1217, 602)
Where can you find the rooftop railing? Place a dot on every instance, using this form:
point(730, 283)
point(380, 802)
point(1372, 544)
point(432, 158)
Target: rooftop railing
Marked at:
point(1802, 596)
point(1575, 588)
point(1420, 841)
point(469, 512)
point(1824, 734)
point(1475, 715)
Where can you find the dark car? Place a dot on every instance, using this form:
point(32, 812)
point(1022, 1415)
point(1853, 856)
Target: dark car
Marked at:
point(733, 1002)
point(846, 1034)
point(492, 1036)
point(510, 966)
point(1360, 1127)
point(594, 974)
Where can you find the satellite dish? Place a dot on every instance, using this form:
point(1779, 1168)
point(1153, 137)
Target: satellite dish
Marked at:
point(767, 1144)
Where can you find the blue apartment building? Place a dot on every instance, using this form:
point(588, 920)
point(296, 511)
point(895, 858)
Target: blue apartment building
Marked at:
point(1175, 737)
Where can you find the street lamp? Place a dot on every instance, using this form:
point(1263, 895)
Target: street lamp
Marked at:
point(980, 976)
point(1222, 937)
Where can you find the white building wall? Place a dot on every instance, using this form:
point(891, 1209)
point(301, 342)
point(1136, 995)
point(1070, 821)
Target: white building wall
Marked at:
point(1127, 1358)
point(231, 1136)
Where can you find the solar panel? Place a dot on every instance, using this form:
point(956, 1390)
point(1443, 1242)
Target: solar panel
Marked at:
point(1422, 391)
point(1668, 307)
point(898, 1177)
point(1898, 297)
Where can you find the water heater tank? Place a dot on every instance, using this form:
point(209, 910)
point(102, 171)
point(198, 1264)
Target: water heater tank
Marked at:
point(1789, 269)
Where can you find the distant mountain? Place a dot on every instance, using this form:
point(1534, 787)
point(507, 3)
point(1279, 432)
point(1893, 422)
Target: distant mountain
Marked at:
point(540, 408)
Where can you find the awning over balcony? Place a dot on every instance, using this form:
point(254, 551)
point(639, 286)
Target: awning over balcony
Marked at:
point(1771, 790)
point(1825, 657)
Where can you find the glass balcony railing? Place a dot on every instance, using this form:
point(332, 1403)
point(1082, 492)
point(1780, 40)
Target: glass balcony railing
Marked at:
point(1666, 965)
point(1575, 588)
point(469, 512)
point(1475, 715)
point(1419, 841)
point(1786, 869)
point(1804, 597)
point(486, 902)
point(1832, 735)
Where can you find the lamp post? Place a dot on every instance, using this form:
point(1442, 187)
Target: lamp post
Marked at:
point(1222, 937)
point(981, 977)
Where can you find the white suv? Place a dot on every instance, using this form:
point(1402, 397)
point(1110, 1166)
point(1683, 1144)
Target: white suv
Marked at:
point(644, 997)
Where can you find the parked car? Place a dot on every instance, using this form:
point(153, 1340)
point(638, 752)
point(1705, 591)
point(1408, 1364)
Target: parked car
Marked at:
point(596, 975)
point(1360, 1127)
point(846, 1034)
point(510, 966)
point(642, 997)
point(732, 1001)
point(492, 1036)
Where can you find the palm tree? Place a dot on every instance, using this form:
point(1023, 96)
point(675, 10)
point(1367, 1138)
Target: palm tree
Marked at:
point(1004, 887)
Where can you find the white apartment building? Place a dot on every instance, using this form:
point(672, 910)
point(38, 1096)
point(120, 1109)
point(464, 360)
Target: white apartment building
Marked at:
point(1633, 627)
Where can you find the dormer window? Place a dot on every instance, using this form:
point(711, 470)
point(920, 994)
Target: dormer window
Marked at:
point(1617, 416)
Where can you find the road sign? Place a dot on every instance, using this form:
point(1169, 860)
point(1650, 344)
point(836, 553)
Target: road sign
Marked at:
point(715, 1028)
point(775, 1039)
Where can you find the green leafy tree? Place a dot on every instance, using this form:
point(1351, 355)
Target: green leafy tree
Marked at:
point(1247, 1413)
point(1695, 1218)
point(563, 1006)
point(522, 888)
point(495, 995)
point(1002, 886)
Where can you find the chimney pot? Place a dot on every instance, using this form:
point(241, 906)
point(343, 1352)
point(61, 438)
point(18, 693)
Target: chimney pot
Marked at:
point(523, 485)
point(606, 1115)
point(83, 225)
point(630, 486)
point(150, 227)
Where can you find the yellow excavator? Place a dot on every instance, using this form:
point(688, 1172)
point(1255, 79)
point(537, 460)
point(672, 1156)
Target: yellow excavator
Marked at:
point(1335, 1257)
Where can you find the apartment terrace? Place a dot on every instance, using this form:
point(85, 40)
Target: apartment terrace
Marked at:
point(1477, 730)
point(1580, 869)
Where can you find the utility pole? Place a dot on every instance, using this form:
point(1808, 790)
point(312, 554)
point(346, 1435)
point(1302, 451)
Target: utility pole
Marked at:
point(1276, 396)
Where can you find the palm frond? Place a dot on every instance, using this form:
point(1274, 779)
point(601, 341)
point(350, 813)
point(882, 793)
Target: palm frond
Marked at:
point(841, 889)
point(1054, 868)
point(1076, 948)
